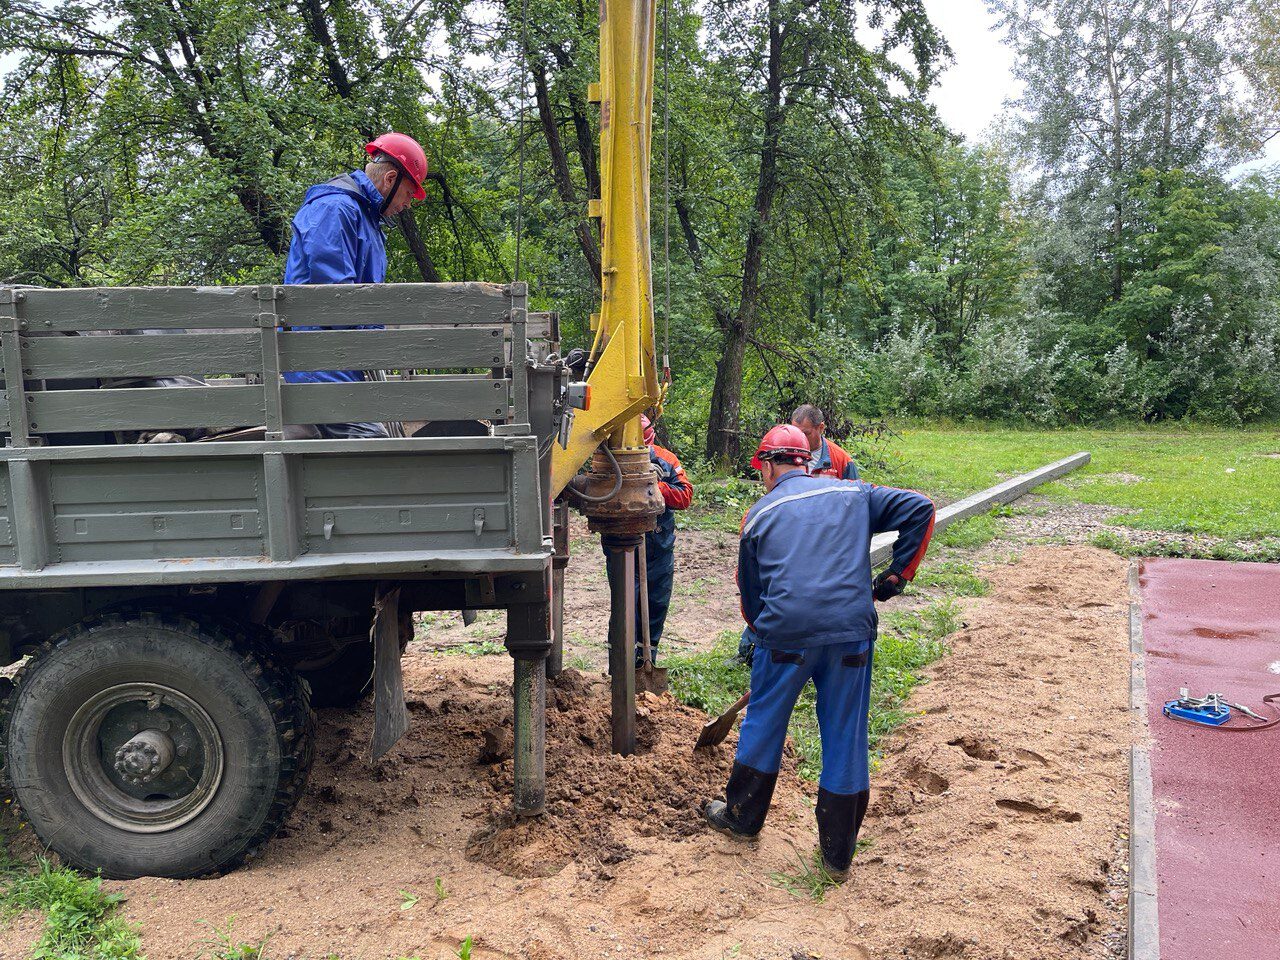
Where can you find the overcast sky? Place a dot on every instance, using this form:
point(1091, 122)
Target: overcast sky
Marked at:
point(970, 95)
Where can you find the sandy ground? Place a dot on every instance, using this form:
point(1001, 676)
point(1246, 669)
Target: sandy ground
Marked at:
point(997, 825)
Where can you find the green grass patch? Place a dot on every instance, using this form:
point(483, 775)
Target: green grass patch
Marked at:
point(81, 919)
point(474, 648)
point(1260, 551)
point(1213, 482)
point(222, 944)
point(719, 503)
point(709, 679)
point(810, 881)
point(970, 534)
point(955, 577)
point(712, 679)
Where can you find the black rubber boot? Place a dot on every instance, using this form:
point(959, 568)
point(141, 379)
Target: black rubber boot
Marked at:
point(839, 820)
point(741, 814)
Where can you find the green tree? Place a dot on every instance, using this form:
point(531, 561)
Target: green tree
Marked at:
point(952, 251)
point(1113, 88)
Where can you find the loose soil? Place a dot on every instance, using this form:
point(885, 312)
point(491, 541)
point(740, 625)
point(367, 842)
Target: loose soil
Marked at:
point(996, 829)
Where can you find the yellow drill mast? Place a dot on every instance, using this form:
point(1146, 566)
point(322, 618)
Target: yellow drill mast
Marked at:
point(624, 372)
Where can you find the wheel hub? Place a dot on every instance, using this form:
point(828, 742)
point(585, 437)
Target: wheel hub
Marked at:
point(143, 757)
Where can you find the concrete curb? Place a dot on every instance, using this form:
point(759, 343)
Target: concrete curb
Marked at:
point(1144, 926)
point(1007, 492)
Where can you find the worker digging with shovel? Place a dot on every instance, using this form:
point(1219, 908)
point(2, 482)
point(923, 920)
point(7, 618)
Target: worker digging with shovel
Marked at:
point(655, 566)
point(804, 575)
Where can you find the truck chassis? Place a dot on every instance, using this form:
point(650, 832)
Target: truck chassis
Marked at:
point(182, 604)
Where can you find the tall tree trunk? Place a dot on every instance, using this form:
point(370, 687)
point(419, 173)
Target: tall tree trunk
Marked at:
point(1117, 157)
point(313, 15)
point(426, 266)
point(561, 175)
point(724, 423)
point(1166, 125)
point(718, 309)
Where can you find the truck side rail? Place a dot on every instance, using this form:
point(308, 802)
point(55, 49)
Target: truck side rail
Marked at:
point(120, 514)
point(234, 331)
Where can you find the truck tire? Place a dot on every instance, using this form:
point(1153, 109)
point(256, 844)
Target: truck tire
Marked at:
point(155, 744)
point(347, 678)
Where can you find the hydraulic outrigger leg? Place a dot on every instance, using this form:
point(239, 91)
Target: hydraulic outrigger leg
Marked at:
point(529, 642)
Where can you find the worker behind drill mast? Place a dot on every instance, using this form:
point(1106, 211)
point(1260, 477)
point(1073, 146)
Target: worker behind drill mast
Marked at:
point(338, 238)
point(826, 458)
point(660, 543)
point(804, 575)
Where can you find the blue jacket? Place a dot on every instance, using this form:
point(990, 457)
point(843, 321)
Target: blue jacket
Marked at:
point(337, 238)
point(804, 566)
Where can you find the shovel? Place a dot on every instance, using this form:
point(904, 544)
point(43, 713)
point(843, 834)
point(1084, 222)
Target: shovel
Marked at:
point(650, 679)
point(716, 730)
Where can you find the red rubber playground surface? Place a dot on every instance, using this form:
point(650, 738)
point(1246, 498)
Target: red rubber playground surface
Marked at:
point(1214, 627)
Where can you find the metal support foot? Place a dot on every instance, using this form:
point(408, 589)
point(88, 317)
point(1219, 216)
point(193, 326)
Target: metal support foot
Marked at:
point(528, 641)
point(621, 567)
point(560, 538)
point(530, 737)
point(555, 659)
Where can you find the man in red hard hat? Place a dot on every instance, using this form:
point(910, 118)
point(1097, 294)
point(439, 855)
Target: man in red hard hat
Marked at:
point(338, 238)
point(804, 576)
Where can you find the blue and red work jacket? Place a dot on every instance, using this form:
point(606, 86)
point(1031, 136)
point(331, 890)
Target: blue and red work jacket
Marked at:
point(804, 565)
point(677, 494)
point(831, 460)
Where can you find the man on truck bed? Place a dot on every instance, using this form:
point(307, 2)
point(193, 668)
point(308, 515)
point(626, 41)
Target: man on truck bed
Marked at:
point(337, 238)
point(804, 574)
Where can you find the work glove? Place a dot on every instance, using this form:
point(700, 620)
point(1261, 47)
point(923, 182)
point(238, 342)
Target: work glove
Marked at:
point(887, 586)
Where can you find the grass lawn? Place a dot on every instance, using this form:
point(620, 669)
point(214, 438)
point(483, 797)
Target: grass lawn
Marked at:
point(1213, 482)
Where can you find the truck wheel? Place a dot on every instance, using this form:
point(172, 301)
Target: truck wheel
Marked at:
point(346, 677)
point(152, 744)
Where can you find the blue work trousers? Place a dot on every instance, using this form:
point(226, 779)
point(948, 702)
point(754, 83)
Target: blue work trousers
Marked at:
point(841, 674)
point(662, 568)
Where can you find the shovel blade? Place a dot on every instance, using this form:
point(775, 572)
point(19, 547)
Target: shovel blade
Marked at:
point(714, 731)
point(651, 679)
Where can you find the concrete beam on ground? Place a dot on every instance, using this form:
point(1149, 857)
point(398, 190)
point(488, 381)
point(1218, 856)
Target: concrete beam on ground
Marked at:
point(981, 502)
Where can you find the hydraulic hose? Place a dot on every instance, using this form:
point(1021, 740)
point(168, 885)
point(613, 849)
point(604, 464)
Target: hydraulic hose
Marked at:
point(617, 479)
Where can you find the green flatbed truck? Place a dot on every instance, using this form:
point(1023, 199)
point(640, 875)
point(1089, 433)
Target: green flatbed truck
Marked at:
point(179, 607)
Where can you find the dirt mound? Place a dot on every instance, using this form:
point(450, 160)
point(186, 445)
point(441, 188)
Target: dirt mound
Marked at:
point(460, 745)
point(597, 803)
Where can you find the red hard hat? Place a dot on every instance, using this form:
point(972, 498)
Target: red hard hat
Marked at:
point(649, 435)
point(406, 152)
point(783, 442)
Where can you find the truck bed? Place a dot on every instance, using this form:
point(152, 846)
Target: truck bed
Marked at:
point(121, 514)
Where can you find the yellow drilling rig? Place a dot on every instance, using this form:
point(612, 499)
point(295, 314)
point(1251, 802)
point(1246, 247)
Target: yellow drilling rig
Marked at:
point(621, 496)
